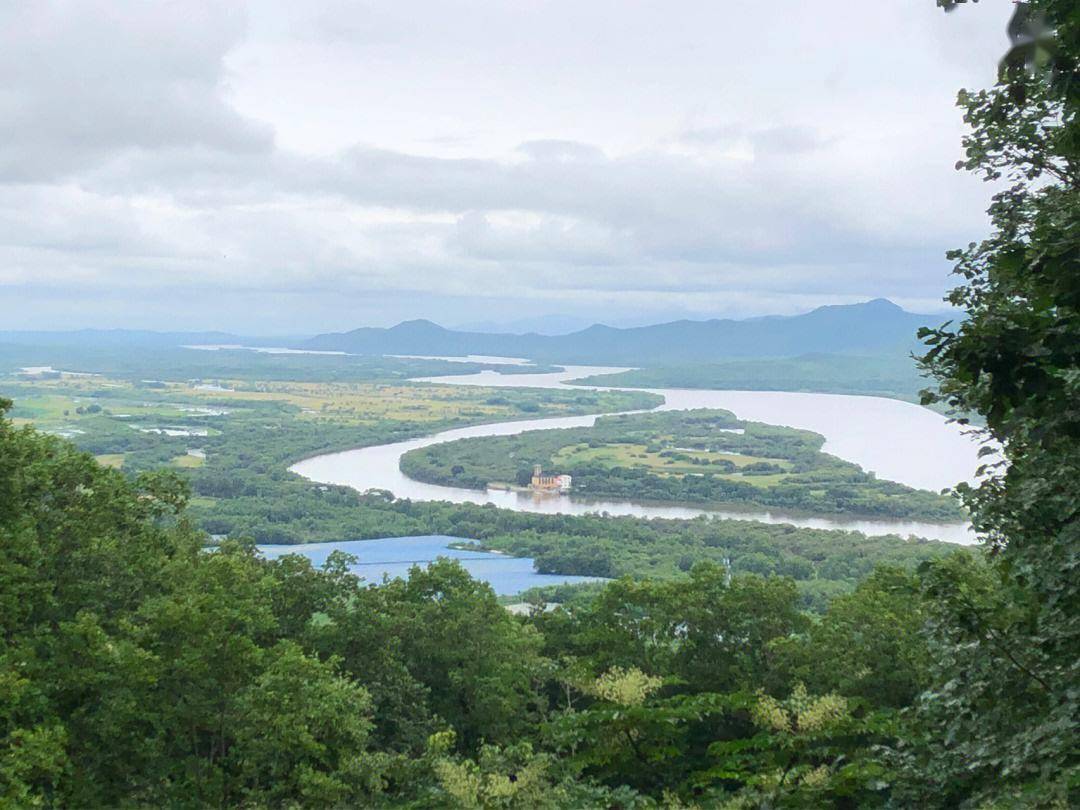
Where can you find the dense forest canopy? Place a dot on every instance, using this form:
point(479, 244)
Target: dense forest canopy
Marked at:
point(143, 671)
point(1003, 715)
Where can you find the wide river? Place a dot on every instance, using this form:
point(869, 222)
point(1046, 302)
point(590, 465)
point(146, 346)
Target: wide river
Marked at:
point(898, 441)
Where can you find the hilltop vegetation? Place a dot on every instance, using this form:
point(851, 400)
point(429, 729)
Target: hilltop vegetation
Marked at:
point(700, 457)
point(142, 671)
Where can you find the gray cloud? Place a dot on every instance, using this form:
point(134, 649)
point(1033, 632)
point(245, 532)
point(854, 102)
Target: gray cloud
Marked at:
point(361, 167)
point(85, 84)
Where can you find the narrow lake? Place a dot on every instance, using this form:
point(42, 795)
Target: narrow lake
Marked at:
point(394, 556)
point(898, 441)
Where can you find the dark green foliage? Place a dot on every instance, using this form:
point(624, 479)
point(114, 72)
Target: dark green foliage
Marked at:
point(139, 670)
point(874, 632)
point(1003, 714)
point(663, 689)
point(1000, 714)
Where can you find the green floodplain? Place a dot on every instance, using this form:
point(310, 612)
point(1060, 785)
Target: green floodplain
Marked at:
point(232, 439)
point(695, 457)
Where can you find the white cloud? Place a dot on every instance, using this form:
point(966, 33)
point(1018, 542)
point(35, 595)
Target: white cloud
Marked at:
point(419, 159)
point(86, 81)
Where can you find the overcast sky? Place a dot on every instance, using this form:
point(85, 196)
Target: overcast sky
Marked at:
point(310, 166)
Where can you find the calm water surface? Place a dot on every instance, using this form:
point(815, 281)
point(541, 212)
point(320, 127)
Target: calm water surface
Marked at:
point(394, 556)
point(896, 440)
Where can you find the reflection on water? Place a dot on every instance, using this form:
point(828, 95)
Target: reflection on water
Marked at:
point(896, 440)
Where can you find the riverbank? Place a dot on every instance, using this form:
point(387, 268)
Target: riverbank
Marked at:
point(697, 458)
point(867, 431)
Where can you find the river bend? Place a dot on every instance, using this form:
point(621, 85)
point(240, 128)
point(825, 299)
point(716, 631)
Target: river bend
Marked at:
point(896, 440)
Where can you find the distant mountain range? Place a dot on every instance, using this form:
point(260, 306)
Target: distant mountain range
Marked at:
point(874, 327)
point(871, 328)
point(540, 325)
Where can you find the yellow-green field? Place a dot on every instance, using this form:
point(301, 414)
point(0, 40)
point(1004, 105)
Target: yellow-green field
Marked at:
point(34, 405)
point(638, 455)
point(357, 403)
point(102, 414)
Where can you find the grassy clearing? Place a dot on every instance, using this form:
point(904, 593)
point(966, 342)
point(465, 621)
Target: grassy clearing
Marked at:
point(35, 404)
point(46, 408)
point(371, 403)
point(639, 456)
point(114, 460)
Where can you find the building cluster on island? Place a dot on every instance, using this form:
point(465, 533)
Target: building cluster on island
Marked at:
point(548, 483)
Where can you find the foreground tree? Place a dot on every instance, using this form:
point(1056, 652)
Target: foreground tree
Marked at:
point(1002, 718)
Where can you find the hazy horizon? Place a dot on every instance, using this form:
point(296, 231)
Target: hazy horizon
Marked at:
point(550, 325)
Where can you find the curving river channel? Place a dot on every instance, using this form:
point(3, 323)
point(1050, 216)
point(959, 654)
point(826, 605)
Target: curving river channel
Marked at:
point(898, 441)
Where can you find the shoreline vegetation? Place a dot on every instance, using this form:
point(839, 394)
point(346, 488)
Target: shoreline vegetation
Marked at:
point(821, 562)
point(694, 457)
point(894, 375)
